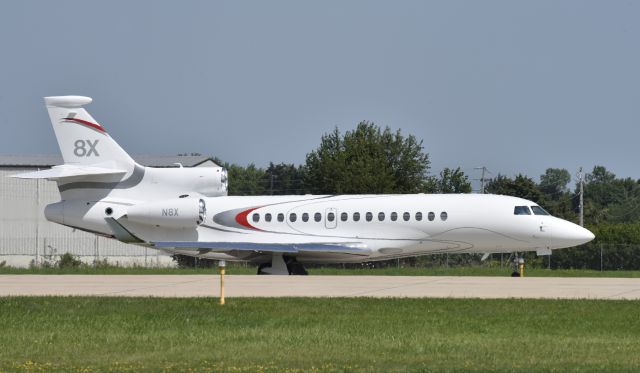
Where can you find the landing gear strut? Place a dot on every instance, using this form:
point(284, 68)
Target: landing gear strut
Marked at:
point(518, 264)
point(282, 265)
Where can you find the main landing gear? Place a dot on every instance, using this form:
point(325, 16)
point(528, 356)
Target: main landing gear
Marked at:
point(282, 265)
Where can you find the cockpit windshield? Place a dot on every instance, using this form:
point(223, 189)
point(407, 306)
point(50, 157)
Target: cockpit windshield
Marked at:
point(521, 210)
point(537, 210)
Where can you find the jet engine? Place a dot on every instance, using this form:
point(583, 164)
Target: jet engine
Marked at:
point(208, 181)
point(169, 213)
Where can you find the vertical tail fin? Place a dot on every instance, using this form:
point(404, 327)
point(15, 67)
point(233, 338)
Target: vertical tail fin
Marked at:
point(82, 140)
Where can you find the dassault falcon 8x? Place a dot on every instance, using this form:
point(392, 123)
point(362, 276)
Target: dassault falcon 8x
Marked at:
point(187, 211)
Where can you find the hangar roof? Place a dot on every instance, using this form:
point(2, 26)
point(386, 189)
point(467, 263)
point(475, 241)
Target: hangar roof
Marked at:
point(145, 160)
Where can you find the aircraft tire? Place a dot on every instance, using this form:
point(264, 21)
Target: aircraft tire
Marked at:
point(296, 268)
point(263, 266)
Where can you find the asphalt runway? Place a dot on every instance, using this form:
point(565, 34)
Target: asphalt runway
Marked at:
point(320, 286)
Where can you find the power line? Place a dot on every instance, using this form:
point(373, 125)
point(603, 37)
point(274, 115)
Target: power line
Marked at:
point(482, 178)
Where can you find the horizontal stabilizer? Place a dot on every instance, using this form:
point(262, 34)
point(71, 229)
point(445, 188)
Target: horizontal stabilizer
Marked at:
point(354, 248)
point(65, 171)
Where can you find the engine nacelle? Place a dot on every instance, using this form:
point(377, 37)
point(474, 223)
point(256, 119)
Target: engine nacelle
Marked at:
point(207, 181)
point(169, 213)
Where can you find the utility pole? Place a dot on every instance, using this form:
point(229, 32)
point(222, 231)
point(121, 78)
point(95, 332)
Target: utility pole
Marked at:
point(581, 181)
point(482, 179)
point(271, 188)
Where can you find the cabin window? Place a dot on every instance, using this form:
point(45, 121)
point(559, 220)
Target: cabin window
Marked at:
point(293, 217)
point(317, 216)
point(369, 216)
point(305, 217)
point(344, 216)
point(331, 216)
point(281, 217)
point(406, 216)
point(356, 216)
point(443, 215)
point(521, 210)
point(418, 216)
point(394, 216)
point(381, 216)
point(256, 218)
point(537, 210)
point(431, 216)
point(267, 218)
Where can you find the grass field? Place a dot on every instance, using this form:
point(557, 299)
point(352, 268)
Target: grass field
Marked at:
point(327, 335)
point(239, 269)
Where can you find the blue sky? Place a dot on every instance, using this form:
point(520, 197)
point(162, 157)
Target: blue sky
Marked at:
point(516, 86)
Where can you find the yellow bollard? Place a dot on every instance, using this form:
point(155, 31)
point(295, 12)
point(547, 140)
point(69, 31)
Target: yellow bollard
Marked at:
point(521, 266)
point(221, 266)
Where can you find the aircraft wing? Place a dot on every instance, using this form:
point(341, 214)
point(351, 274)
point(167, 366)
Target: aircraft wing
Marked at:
point(64, 171)
point(353, 248)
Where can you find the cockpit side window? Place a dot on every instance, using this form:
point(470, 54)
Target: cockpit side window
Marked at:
point(521, 210)
point(537, 210)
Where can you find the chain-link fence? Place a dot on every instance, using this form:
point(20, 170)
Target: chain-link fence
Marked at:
point(598, 256)
point(593, 256)
point(90, 249)
point(22, 252)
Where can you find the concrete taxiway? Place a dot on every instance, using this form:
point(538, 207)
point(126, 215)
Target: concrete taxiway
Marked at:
point(320, 286)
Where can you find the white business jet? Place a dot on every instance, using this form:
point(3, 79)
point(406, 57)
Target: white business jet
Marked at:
point(187, 211)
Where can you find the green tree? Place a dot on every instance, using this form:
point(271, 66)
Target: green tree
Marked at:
point(554, 182)
point(284, 179)
point(558, 198)
point(246, 181)
point(453, 181)
point(522, 186)
point(367, 160)
point(616, 242)
point(610, 199)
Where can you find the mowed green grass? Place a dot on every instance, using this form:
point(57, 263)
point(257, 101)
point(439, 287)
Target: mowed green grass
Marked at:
point(93, 334)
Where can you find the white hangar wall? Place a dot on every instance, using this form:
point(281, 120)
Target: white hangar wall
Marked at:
point(27, 238)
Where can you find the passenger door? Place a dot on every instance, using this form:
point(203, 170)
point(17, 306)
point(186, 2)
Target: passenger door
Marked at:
point(330, 218)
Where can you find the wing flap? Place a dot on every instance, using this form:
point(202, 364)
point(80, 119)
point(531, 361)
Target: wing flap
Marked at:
point(65, 171)
point(354, 248)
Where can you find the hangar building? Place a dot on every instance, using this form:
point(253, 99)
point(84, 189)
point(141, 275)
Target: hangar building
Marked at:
point(27, 238)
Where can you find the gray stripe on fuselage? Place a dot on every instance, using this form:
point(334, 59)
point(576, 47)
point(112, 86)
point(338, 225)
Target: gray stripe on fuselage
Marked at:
point(136, 177)
point(228, 218)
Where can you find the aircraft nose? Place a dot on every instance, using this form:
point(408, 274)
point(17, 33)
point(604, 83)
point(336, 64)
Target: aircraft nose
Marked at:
point(568, 234)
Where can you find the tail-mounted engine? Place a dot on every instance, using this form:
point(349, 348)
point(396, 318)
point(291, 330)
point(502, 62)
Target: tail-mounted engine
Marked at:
point(170, 213)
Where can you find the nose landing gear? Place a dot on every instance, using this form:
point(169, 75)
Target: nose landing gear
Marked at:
point(518, 265)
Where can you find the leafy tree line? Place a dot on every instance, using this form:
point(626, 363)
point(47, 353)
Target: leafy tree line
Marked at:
point(371, 159)
point(368, 159)
point(607, 199)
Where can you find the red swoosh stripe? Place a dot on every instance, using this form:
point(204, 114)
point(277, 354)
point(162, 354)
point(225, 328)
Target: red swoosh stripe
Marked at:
point(241, 218)
point(95, 126)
